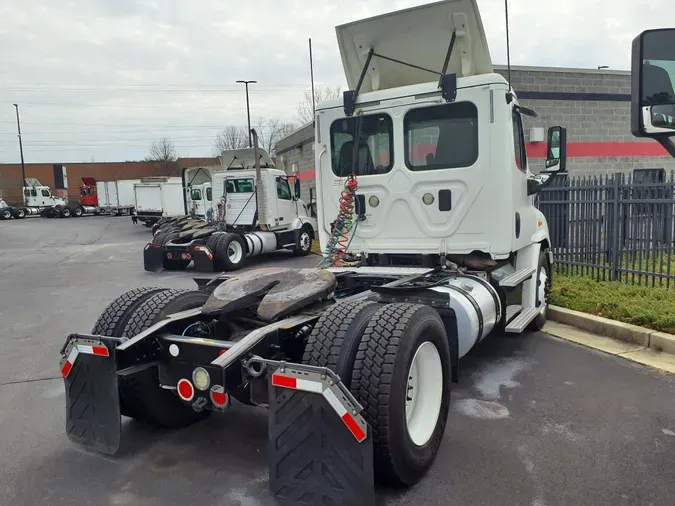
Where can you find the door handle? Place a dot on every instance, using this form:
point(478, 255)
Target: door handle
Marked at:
point(444, 200)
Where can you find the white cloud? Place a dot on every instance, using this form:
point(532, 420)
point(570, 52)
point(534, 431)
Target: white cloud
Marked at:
point(103, 78)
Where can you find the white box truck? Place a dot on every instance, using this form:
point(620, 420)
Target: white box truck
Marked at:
point(157, 198)
point(117, 197)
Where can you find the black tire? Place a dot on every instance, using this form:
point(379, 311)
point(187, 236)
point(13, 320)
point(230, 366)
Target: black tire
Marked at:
point(65, 212)
point(161, 304)
point(303, 241)
point(5, 214)
point(334, 341)
point(77, 211)
point(114, 318)
point(539, 322)
point(380, 384)
point(157, 239)
point(50, 212)
point(222, 248)
point(20, 213)
point(168, 237)
point(141, 394)
point(155, 227)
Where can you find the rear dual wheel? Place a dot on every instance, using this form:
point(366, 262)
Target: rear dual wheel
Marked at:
point(395, 358)
point(141, 397)
point(230, 252)
point(5, 214)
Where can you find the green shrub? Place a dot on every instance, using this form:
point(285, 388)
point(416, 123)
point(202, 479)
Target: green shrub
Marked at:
point(648, 307)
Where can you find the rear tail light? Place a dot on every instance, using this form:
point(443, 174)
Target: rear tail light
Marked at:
point(185, 390)
point(219, 397)
point(169, 256)
point(186, 256)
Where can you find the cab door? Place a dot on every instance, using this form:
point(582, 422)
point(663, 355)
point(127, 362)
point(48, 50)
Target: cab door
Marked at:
point(524, 212)
point(285, 202)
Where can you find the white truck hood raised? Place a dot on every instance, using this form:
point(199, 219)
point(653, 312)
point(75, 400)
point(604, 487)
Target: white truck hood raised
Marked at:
point(244, 159)
point(420, 36)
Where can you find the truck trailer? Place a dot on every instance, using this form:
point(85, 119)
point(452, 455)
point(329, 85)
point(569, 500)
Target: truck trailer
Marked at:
point(158, 197)
point(432, 242)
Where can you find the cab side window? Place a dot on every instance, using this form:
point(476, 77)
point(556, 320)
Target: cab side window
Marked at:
point(283, 189)
point(519, 142)
point(45, 193)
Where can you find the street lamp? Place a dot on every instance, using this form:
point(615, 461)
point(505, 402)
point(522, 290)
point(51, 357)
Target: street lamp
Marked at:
point(23, 165)
point(248, 111)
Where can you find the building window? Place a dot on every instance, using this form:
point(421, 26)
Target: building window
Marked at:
point(283, 189)
point(441, 136)
point(519, 142)
point(375, 145)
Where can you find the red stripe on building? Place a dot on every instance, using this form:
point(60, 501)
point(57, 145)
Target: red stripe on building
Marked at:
point(306, 175)
point(601, 149)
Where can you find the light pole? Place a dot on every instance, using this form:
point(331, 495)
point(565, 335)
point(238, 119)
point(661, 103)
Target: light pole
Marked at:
point(248, 110)
point(23, 165)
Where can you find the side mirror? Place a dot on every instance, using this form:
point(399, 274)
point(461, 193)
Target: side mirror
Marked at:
point(652, 82)
point(296, 189)
point(556, 149)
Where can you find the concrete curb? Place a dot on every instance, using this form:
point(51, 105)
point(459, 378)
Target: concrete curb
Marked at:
point(658, 341)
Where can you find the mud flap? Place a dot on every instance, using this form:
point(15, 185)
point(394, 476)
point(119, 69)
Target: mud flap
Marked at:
point(202, 258)
point(153, 257)
point(317, 456)
point(93, 415)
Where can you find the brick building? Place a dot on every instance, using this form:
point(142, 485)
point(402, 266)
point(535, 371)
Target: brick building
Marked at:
point(10, 173)
point(594, 105)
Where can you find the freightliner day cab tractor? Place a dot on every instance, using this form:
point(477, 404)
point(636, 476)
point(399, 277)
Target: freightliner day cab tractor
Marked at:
point(432, 241)
point(254, 212)
point(37, 201)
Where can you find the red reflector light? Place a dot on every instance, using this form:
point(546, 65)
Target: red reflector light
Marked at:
point(185, 390)
point(218, 396)
point(284, 381)
point(65, 370)
point(169, 256)
point(354, 427)
point(101, 351)
point(221, 352)
point(153, 245)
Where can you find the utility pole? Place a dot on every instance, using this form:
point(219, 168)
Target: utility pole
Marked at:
point(248, 111)
point(23, 165)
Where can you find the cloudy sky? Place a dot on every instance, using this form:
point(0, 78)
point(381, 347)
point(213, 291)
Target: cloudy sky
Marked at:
point(100, 79)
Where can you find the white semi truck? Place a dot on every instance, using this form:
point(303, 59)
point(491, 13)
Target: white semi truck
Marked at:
point(432, 239)
point(247, 211)
point(158, 197)
point(37, 201)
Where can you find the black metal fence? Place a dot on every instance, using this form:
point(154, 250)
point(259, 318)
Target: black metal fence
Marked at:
point(614, 227)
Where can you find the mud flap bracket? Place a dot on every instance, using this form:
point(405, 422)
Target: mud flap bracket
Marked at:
point(320, 449)
point(93, 415)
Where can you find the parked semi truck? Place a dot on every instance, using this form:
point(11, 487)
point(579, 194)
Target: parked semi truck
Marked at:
point(158, 197)
point(432, 241)
point(38, 200)
point(253, 209)
point(115, 197)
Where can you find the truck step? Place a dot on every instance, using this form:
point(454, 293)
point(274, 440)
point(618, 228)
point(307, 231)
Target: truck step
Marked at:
point(522, 320)
point(512, 312)
point(513, 280)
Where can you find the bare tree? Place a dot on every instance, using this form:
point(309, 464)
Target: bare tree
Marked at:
point(271, 131)
point(305, 110)
point(163, 154)
point(231, 137)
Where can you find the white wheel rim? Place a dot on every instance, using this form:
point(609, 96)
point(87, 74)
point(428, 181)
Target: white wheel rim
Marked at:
point(424, 393)
point(234, 252)
point(305, 242)
point(541, 289)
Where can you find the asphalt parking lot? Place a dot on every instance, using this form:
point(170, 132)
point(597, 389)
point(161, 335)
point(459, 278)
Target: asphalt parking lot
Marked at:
point(534, 421)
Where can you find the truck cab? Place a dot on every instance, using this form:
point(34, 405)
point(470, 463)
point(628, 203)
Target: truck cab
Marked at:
point(88, 192)
point(198, 196)
point(41, 196)
point(441, 163)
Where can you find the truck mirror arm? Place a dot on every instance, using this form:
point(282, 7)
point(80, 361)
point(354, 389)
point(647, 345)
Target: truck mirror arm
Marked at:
point(538, 183)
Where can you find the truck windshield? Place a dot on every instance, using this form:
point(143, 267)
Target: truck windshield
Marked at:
point(196, 194)
point(441, 136)
point(375, 141)
point(239, 185)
